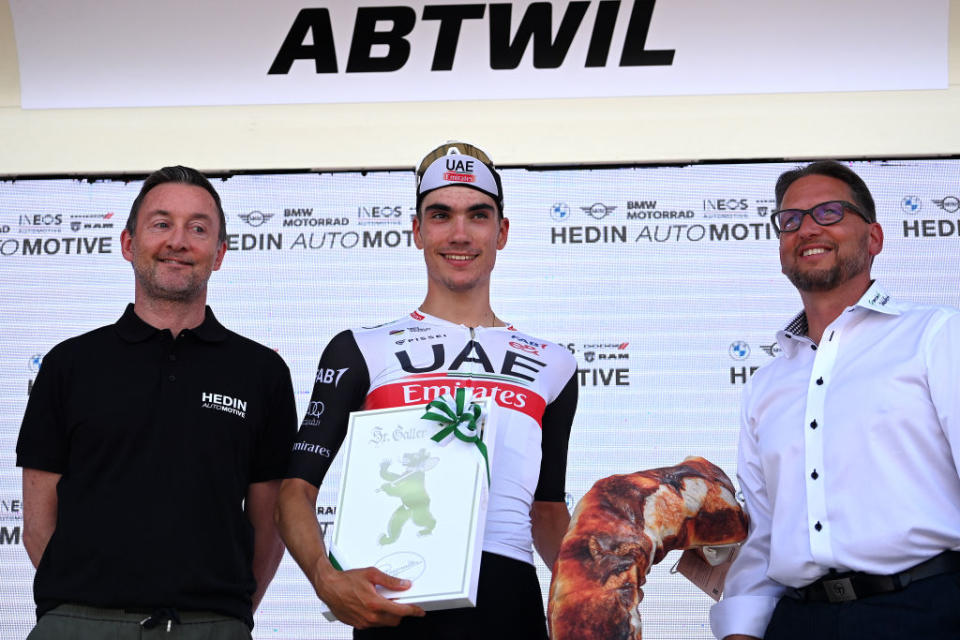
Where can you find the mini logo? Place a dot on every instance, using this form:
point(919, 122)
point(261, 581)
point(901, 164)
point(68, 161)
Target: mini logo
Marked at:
point(911, 204)
point(221, 402)
point(589, 355)
point(598, 210)
point(416, 315)
point(950, 204)
point(772, 349)
point(396, 332)
point(739, 350)
point(35, 361)
point(559, 211)
point(75, 225)
point(255, 218)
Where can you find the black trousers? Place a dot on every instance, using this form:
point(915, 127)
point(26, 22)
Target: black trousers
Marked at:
point(509, 605)
point(926, 610)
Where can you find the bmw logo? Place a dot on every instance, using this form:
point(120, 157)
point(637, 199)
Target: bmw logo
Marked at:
point(559, 211)
point(910, 204)
point(739, 350)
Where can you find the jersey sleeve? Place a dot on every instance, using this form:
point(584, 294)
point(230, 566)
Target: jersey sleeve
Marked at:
point(280, 425)
point(557, 421)
point(42, 443)
point(340, 386)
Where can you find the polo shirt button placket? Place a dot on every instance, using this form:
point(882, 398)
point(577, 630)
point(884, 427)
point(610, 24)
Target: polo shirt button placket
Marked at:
point(171, 358)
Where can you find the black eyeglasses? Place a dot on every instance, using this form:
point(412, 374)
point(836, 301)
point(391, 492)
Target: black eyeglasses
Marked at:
point(824, 214)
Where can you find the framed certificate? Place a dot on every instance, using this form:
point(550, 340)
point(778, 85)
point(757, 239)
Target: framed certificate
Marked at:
point(413, 498)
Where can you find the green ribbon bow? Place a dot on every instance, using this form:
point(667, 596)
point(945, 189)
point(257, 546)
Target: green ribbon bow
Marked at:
point(459, 419)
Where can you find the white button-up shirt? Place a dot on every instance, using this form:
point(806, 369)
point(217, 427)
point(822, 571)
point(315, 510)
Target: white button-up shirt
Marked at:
point(848, 455)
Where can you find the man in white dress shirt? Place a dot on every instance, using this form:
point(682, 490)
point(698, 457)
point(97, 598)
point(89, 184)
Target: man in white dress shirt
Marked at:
point(849, 442)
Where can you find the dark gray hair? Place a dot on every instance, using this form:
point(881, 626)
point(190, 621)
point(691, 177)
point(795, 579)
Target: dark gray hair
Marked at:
point(832, 169)
point(179, 175)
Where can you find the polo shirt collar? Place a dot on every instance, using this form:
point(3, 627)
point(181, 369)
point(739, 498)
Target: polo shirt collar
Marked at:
point(133, 329)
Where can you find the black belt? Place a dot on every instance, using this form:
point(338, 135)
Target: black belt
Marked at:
point(853, 585)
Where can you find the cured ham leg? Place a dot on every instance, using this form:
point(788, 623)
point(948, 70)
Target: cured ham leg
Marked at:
point(623, 526)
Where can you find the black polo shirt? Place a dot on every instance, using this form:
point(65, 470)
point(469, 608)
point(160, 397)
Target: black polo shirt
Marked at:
point(157, 440)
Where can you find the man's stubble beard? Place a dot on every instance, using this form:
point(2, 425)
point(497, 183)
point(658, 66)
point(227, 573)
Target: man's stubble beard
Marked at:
point(845, 269)
point(190, 291)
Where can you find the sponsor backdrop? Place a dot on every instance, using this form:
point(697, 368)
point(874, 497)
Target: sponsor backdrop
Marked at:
point(663, 282)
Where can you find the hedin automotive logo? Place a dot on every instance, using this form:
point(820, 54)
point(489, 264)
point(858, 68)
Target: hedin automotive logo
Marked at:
point(621, 234)
point(380, 43)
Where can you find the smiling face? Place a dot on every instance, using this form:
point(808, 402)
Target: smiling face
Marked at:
point(818, 258)
point(175, 247)
point(459, 231)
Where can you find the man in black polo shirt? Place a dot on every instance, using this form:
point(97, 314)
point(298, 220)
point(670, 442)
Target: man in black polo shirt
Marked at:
point(152, 449)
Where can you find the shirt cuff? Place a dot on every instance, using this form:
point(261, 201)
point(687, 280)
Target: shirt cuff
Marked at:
point(748, 615)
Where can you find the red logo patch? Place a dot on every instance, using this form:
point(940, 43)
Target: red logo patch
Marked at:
point(451, 176)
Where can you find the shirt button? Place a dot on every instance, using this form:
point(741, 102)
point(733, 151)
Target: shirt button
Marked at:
point(818, 526)
point(813, 425)
point(787, 335)
point(814, 475)
point(172, 378)
point(814, 347)
point(819, 380)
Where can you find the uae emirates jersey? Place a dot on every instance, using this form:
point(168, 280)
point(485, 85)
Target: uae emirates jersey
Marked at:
point(417, 359)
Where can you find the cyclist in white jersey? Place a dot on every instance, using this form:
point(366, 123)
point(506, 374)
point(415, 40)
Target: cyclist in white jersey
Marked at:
point(453, 340)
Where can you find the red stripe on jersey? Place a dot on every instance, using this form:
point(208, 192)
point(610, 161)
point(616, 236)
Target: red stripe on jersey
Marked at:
point(419, 391)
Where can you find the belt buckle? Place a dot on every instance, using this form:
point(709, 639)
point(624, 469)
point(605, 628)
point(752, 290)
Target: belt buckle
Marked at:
point(840, 590)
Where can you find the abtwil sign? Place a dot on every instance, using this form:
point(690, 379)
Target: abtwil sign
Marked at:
point(510, 36)
point(97, 53)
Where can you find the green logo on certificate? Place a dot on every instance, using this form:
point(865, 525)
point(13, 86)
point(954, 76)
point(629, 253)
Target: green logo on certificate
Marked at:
point(410, 488)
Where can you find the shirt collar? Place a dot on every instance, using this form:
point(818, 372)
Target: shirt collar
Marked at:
point(875, 298)
point(132, 328)
point(420, 316)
